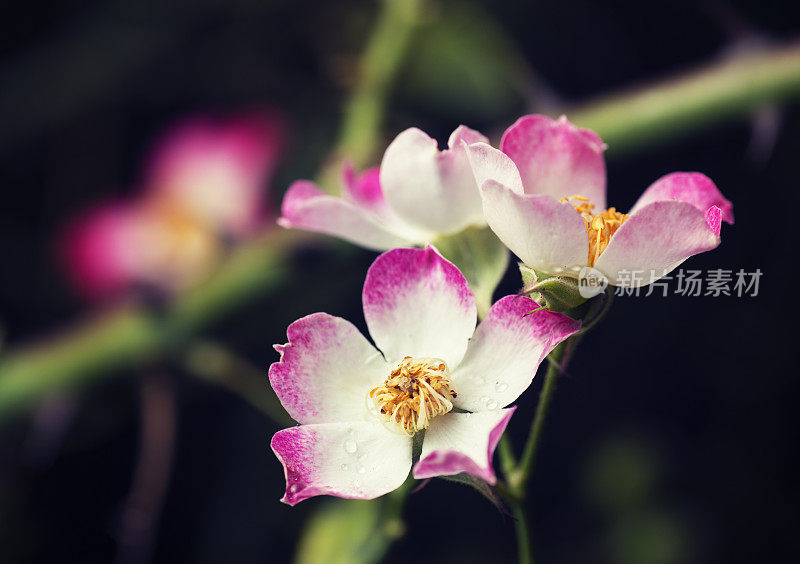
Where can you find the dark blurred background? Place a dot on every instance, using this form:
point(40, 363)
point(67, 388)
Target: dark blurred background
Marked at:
point(672, 438)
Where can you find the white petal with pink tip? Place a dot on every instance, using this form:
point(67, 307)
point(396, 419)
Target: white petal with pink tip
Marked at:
point(547, 235)
point(418, 304)
point(462, 442)
point(352, 460)
point(507, 348)
point(326, 370)
point(432, 189)
point(653, 241)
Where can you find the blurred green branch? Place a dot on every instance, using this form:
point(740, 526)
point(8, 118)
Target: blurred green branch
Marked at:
point(131, 334)
point(731, 88)
point(215, 363)
point(388, 45)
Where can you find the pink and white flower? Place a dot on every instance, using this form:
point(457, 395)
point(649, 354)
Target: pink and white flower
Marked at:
point(216, 169)
point(359, 406)
point(419, 194)
point(205, 180)
point(544, 196)
point(118, 246)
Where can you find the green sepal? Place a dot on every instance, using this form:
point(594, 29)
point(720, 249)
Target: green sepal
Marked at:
point(556, 293)
point(481, 258)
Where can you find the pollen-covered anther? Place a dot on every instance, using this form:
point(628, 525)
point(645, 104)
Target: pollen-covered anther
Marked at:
point(600, 227)
point(415, 392)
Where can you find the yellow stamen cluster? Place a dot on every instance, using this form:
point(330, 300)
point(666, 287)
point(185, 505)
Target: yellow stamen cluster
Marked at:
point(414, 393)
point(600, 227)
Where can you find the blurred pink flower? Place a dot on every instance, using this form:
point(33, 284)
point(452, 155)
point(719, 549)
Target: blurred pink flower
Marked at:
point(117, 246)
point(204, 183)
point(216, 170)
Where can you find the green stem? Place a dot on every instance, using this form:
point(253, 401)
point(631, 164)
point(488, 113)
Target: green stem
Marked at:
point(380, 64)
point(508, 462)
point(524, 553)
point(216, 364)
point(523, 471)
point(390, 525)
point(130, 335)
point(518, 477)
point(728, 88)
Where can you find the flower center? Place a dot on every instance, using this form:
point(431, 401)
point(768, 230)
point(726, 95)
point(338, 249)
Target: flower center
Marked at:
point(600, 227)
point(415, 392)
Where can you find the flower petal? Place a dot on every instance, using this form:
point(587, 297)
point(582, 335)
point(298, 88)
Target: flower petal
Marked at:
point(215, 169)
point(691, 187)
point(490, 164)
point(503, 355)
point(306, 207)
point(96, 249)
point(557, 158)
point(416, 303)
point(432, 189)
point(547, 235)
point(361, 460)
point(365, 191)
point(326, 370)
point(464, 134)
point(462, 442)
point(653, 241)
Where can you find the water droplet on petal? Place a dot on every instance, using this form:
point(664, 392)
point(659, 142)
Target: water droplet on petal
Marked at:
point(500, 386)
point(362, 457)
point(491, 404)
point(345, 467)
point(350, 446)
point(361, 469)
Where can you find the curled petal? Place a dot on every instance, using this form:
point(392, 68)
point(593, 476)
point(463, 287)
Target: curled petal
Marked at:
point(428, 188)
point(462, 442)
point(507, 348)
point(307, 207)
point(416, 303)
point(557, 158)
point(490, 164)
point(361, 460)
point(547, 235)
point(464, 134)
point(690, 187)
point(326, 370)
point(653, 241)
